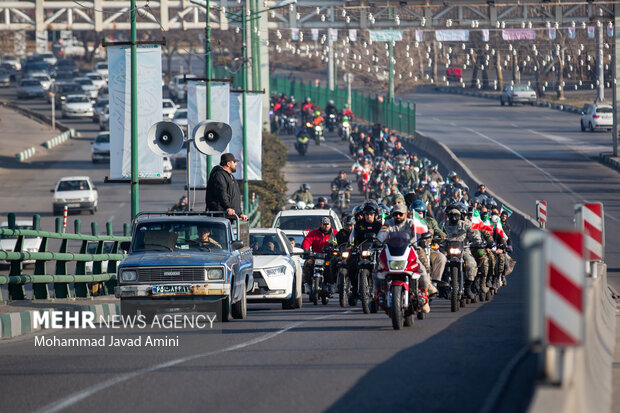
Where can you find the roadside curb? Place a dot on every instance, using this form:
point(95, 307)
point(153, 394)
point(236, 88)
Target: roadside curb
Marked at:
point(19, 323)
point(608, 159)
point(63, 137)
point(25, 154)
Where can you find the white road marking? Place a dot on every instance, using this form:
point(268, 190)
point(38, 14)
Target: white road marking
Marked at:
point(89, 391)
point(550, 177)
point(580, 147)
point(339, 151)
point(514, 125)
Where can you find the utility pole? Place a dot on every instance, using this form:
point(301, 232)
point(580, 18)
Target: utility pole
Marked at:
point(135, 208)
point(246, 190)
point(330, 60)
point(600, 74)
point(208, 79)
point(390, 65)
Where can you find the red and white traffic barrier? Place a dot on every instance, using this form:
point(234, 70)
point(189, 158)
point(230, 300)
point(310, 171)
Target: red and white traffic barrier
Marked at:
point(541, 213)
point(589, 218)
point(64, 219)
point(564, 289)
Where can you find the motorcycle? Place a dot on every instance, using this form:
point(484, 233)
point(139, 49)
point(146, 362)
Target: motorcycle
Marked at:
point(289, 124)
point(456, 275)
point(398, 279)
point(318, 134)
point(331, 122)
point(320, 290)
point(339, 196)
point(344, 281)
point(345, 128)
point(365, 268)
point(301, 144)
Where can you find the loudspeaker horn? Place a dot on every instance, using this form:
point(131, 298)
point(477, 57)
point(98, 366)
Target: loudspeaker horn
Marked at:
point(211, 138)
point(165, 138)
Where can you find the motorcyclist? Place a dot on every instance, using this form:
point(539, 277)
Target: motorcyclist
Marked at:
point(321, 203)
point(346, 111)
point(318, 119)
point(342, 237)
point(437, 258)
point(181, 205)
point(458, 230)
point(303, 194)
point(331, 109)
point(341, 183)
point(315, 241)
point(398, 149)
point(368, 225)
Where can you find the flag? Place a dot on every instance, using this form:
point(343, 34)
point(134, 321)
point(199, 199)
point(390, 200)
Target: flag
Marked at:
point(419, 225)
point(476, 221)
point(590, 32)
point(571, 32)
point(419, 35)
point(610, 30)
point(498, 228)
point(552, 33)
point(485, 35)
point(487, 225)
point(505, 209)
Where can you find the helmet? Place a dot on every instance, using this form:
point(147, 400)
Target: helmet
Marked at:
point(331, 102)
point(418, 206)
point(305, 187)
point(462, 207)
point(346, 105)
point(491, 203)
point(322, 199)
point(453, 210)
point(370, 206)
point(348, 220)
point(317, 112)
point(357, 210)
point(308, 100)
point(452, 174)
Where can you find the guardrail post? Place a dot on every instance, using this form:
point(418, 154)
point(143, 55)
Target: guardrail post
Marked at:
point(541, 213)
point(81, 289)
point(126, 231)
point(97, 264)
point(61, 290)
point(40, 291)
point(109, 285)
point(16, 291)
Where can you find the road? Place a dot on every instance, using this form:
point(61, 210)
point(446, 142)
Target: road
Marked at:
point(316, 359)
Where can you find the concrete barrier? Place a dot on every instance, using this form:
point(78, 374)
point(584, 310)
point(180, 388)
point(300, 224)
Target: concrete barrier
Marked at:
point(25, 154)
point(63, 137)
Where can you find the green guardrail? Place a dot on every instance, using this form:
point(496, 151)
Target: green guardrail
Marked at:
point(399, 116)
point(61, 280)
point(254, 213)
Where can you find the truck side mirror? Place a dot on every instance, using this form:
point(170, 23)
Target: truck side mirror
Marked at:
point(237, 245)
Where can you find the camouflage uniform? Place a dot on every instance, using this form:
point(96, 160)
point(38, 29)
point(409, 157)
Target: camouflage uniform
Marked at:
point(462, 232)
point(303, 196)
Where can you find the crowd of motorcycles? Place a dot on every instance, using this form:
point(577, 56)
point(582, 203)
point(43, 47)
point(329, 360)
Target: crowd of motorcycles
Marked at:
point(418, 236)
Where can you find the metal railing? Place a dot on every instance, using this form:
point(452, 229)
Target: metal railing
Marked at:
point(254, 213)
point(397, 116)
point(84, 285)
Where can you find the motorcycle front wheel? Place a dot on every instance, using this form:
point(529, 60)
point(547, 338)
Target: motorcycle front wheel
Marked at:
point(314, 294)
point(454, 297)
point(397, 307)
point(364, 293)
point(345, 286)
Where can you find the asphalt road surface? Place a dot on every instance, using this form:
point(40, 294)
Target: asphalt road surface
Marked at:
point(314, 359)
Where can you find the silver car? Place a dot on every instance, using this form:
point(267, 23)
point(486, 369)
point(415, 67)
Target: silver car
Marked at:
point(88, 87)
point(519, 93)
point(30, 88)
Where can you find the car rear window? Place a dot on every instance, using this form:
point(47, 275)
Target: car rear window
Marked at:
point(31, 83)
point(521, 88)
point(604, 110)
point(301, 222)
point(103, 138)
point(77, 185)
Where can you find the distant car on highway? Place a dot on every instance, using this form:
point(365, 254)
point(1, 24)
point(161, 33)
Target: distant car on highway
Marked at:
point(48, 57)
point(88, 87)
point(277, 272)
point(597, 117)
point(454, 74)
point(76, 106)
point(99, 107)
point(7, 242)
point(45, 79)
point(77, 193)
point(169, 108)
point(104, 118)
point(66, 77)
point(11, 60)
point(37, 67)
point(5, 78)
point(305, 219)
point(101, 148)
point(61, 90)
point(30, 88)
point(102, 69)
point(67, 65)
point(180, 118)
point(519, 93)
point(177, 87)
point(97, 79)
point(91, 248)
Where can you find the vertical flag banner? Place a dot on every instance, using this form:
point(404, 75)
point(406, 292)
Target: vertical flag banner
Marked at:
point(333, 34)
point(353, 34)
point(315, 34)
point(610, 30)
point(196, 112)
point(485, 35)
point(254, 102)
point(149, 110)
point(419, 225)
point(419, 35)
point(590, 32)
point(552, 33)
point(571, 32)
point(295, 34)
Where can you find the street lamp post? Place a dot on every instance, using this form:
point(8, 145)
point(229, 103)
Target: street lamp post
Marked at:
point(134, 115)
point(208, 76)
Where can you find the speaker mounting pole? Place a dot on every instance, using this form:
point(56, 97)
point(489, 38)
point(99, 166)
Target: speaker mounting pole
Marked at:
point(208, 76)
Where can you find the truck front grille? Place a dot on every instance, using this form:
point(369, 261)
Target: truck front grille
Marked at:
point(163, 274)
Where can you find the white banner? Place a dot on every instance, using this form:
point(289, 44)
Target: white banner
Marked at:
point(353, 35)
point(254, 102)
point(149, 101)
point(452, 35)
point(385, 35)
point(196, 112)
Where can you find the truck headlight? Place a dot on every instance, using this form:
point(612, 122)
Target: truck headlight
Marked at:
point(275, 270)
point(215, 274)
point(127, 276)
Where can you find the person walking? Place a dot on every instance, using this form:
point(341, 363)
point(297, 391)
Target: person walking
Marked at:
point(222, 189)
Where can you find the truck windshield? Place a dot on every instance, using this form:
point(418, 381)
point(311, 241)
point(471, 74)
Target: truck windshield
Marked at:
point(172, 236)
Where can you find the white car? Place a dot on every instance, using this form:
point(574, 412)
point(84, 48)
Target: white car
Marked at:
point(76, 106)
point(99, 108)
point(104, 118)
point(180, 118)
point(88, 87)
point(101, 148)
point(277, 272)
point(168, 169)
point(91, 248)
point(305, 219)
point(7, 243)
point(97, 80)
point(102, 69)
point(169, 108)
point(77, 193)
point(597, 117)
point(44, 78)
point(178, 86)
point(48, 57)
point(11, 60)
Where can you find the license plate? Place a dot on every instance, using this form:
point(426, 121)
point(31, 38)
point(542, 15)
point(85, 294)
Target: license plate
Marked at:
point(319, 262)
point(73, 205)
point(171, 289)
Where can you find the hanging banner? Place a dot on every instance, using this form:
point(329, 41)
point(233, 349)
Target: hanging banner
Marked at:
point(610, 30)
point(485, 35)
point(518, 34)
point(552, 33)
point(254, 103)
point(315, 34)
point(419, 35)
point(386, 35)
point(591, 32)
point(353, 34)
point(295, 34)
point(452, 35)
point(196, 112)
point(333, 34)
point(149, 105)
point(571, 32)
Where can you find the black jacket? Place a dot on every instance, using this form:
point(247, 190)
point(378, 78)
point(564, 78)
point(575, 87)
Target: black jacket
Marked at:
point(362, 228)
point(222, 191)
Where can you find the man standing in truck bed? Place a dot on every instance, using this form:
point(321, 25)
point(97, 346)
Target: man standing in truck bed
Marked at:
point(222, 190)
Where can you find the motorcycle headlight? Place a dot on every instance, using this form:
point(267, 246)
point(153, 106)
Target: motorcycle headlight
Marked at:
point(214, 274)
point(397, 265)
point(275, 270)
point(128, 276)
point(455, 251)
point(345, 254)
point(365, 253)
point(317, 128)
